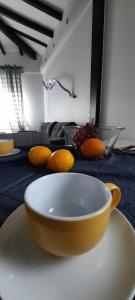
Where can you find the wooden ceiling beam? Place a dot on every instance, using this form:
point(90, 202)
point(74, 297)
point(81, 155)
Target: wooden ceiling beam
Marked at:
point(46, 8)
point(2, 49)
point(9, 32)
point(4, 10)
point(30, 38)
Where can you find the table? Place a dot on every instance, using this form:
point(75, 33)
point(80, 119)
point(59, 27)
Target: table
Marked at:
point(16, 173)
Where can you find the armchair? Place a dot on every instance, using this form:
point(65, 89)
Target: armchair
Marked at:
point(55, 131)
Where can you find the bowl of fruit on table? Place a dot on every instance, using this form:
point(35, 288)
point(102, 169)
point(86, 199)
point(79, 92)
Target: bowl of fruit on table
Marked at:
point(91, 140)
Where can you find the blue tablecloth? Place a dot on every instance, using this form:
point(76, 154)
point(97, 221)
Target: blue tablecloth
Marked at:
point(16, 173)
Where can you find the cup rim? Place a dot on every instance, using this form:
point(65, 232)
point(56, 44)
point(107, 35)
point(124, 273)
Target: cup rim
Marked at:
point(61, 218)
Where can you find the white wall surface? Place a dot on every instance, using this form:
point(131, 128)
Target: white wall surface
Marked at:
point(71, 63)
point(29, 65)
point(118, 93)
point(33, 96)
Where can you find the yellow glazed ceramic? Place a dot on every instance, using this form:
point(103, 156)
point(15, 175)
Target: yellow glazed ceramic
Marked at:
point(6, 146)
point(68, 213)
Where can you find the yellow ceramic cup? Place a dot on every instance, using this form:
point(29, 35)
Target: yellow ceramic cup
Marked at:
point(6, 146)
point(68, 213)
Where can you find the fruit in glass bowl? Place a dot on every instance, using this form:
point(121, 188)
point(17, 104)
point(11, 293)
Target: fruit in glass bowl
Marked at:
point(84, 132)
point(101, 139)
point(93, 148)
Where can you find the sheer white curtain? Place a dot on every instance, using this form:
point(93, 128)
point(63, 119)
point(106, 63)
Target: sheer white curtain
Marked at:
point(11, 100)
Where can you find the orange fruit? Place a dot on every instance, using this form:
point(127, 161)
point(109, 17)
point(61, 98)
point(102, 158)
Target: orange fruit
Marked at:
point(61, 160)
point(93, 147)
point(39, 155)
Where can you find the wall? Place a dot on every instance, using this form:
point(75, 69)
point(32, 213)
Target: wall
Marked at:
point(118, 93)
point(29, 65)
point(71, 64)
point(33, 96)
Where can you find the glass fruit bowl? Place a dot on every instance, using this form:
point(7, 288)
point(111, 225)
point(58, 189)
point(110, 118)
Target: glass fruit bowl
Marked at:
point(108, 134)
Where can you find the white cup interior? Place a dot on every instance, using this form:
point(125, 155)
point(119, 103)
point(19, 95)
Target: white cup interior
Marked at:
point(67, 195)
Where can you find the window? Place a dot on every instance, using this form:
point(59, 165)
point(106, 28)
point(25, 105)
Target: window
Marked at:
point(11, 101)
point(6, 110)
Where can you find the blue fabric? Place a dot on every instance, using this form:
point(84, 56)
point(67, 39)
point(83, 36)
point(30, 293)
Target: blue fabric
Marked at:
point(17, 174)
point(13, 157)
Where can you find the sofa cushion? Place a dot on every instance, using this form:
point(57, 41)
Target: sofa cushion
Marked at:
point(55, 129)
point(47, 127)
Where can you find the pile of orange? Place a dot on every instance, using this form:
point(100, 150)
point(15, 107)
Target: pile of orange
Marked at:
point(39, 155)
point(61, 160)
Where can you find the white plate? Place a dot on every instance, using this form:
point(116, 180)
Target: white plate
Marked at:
point(15, 151)
point(107, 272)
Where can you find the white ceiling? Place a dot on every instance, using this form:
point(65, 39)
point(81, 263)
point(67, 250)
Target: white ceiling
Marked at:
point(34, 14)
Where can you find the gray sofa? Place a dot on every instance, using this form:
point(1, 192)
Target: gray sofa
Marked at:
point(55, 131)
point(50, 133)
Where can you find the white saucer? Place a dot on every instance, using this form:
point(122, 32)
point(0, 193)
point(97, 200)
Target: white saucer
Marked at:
point(107, 272)
point(15, 151)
